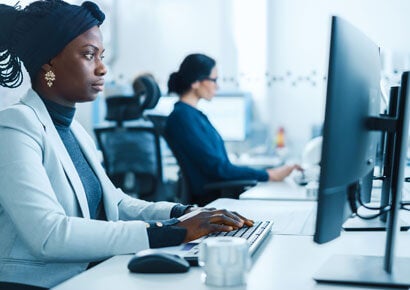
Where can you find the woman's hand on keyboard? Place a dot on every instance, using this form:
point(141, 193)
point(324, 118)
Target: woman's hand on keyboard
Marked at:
point(204, 221)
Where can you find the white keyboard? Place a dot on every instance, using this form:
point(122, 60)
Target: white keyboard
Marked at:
point(254, 235)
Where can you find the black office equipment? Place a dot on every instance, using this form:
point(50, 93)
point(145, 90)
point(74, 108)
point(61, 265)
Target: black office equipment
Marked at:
point(348, 155)
point(348, 150)
point(300, 178)
point(385, 149)
point(132, 159)
point(132, 152)
point(149, 261)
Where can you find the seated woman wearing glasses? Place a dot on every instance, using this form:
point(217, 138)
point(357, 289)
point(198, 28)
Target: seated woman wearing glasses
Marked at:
point(196, 144)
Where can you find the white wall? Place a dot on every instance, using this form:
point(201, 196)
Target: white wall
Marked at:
point(298, 36)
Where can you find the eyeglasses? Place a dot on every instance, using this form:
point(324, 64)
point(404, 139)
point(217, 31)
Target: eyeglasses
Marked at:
point(210, 79)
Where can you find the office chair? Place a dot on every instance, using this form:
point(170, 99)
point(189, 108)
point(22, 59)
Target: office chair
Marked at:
point(124, 108)
point(132, 158)
point(214, 190)
point(159, 122)
point(132, 153)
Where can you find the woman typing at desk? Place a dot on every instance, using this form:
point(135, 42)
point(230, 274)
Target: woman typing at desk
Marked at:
point(196, 144)
point(59, 212)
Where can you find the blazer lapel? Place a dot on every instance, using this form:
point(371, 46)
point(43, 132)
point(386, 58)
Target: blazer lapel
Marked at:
point(111, 200)
point(34, 101)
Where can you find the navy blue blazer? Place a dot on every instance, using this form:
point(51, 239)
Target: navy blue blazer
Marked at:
point(200, 150)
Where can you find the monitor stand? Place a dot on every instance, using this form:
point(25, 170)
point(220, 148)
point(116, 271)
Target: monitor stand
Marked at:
point(365, 270)
point(376, 224)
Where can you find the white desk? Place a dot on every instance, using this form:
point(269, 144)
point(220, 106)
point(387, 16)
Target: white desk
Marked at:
point(284, 190)
point(291, 191)
point(257, 161)
point(283, 261)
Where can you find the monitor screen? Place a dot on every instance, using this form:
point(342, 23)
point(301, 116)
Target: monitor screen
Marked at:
point(349, 148)
point(229, 113)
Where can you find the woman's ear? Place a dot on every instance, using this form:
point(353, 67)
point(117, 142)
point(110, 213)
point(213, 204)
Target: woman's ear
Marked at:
point(46, 67)
point(49, 76)
point(195, 85)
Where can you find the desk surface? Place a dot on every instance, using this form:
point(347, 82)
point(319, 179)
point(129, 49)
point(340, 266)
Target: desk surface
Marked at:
point(283, 261)
point(284, 190)
point(257, 161)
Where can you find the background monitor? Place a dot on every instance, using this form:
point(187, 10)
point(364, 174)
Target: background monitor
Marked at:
point(349, 148)
point(229, 112)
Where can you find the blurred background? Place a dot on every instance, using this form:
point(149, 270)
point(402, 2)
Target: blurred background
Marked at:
point(271, 56)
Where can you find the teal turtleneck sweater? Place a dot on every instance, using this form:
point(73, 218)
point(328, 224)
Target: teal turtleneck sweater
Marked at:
point(62, 117)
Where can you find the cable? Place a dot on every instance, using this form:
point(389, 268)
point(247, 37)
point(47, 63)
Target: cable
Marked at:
point(369, 217)
point(382, 209)
point(404, 208)
point(354, 194)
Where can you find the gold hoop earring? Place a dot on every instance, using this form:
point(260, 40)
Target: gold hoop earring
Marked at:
point(50, 77)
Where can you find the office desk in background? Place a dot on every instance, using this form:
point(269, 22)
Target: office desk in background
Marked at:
point(256, 161)
point(282, 262)
point(284, 190)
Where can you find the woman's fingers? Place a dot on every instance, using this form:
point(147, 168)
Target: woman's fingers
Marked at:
point(220, 228)
point(230, 214)
point(247, 221)
point(221, 218)
point(204, 221)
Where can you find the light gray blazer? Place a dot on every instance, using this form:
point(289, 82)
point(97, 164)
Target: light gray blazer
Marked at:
point(46, 234)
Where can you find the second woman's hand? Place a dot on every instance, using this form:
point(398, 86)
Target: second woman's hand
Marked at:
point(280, 173)
point(204, 221)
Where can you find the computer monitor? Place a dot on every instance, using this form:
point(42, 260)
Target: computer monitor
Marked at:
point(349, 148)
point(229, 112)
point(349, 151)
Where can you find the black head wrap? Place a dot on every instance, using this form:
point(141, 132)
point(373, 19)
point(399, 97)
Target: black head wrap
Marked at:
point(38, 33)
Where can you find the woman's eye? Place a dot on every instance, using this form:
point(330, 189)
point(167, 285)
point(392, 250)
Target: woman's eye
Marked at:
point(89, 56)
point(102, 57)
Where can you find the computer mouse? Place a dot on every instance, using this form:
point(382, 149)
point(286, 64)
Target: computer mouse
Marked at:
point(149, 261)
point(300, 178)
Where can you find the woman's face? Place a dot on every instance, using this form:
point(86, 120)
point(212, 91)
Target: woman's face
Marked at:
point(207, 87)
point(79, 70)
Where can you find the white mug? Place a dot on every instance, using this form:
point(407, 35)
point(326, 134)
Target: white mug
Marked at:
point(225, 261)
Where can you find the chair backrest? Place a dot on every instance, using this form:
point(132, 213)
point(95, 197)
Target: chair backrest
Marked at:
point(122, 108)
point(159, 122)
point(148, 91)
point(132, 158)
